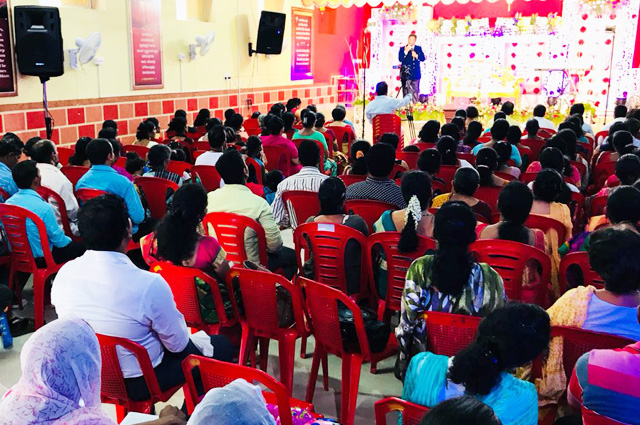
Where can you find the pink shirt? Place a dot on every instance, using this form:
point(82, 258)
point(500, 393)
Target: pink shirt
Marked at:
point(283, 143)
point(535, 167)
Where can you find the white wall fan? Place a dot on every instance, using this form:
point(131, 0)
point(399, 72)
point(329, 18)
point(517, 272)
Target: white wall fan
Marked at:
point(86, 50)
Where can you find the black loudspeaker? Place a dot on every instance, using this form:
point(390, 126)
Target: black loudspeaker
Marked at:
point(38, 41)
point(271, 33)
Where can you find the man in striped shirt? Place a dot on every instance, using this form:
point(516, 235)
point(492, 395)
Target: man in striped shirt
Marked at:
point(308, 179)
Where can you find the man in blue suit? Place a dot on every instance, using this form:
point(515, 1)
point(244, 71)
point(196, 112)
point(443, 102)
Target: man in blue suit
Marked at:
point(410, 57)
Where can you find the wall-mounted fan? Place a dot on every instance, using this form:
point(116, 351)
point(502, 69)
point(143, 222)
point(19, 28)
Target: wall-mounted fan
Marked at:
point(204, 43)
point(87, 49)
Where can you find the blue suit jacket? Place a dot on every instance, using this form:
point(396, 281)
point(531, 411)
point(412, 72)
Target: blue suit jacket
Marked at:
point(411, 64)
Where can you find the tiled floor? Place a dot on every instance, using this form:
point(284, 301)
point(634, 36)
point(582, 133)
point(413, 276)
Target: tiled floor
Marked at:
point(372, 387)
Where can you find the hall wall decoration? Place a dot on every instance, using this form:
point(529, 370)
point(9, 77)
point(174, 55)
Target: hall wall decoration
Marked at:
point(146, 43)
point(8, 85)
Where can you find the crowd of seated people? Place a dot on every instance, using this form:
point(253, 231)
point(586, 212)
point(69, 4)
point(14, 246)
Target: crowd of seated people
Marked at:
point(92, 292)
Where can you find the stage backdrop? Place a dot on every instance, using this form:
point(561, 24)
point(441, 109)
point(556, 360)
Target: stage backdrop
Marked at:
point(146, 43)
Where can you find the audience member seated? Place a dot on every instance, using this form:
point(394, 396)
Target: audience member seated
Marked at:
point(451, 130)
point(532, 127)
point(614, 254)
point(338, 114)
point(102, 177)
point(97, 288)
point(429, 162)
point(378, 186)
point(486, 165)
point(461, 410)
point(503, 149)
point(412, 221)
point(393, 140)
point(27, 178)
point(499, 131)
point(619, 115)
point(514, 138)
point(274, 138)
point(134, 164)
point(459, 122)
point(449, 281)
point(332, 193)
point(507, 338)
point(110, 124)
point(308, 132)
point(117, 150)
point(448, 148)
point(201, 119)
point(591, 383)
point(622, 142)
point(79, 157)
point(552, 158)
point(10, 152)
point(177, 131)
point(428, 135)
point(538, 114)
point(472, 114)
point(235, 123)
point(357, 162)
point(236, 198)
point(578, 108)
point(145, 134)
point(607, 144)
point(27, 146)
point(46, 155)
point(289, 120)
point(465, 183)
point(508, 107)
point(627, 173)
point(474, 131)
point(307, 179)
point(60, 382)
point(159, 157)
point(217, 139)
point(384, 104)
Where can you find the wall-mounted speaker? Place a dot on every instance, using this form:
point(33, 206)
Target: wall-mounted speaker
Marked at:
point(38, 41)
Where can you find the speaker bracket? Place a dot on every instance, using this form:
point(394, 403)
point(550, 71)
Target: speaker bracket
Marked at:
point(251, 51)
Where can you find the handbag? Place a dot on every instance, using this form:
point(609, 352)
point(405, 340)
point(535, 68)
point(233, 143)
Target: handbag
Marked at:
point(377, 332)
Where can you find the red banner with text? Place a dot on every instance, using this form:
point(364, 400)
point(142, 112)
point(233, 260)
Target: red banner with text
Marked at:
point(301, 37)
point(146, 43)
point(7, 68)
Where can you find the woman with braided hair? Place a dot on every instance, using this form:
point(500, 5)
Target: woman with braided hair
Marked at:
point(179, 239)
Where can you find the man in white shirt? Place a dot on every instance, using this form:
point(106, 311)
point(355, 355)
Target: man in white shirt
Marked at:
point(45, 154)
point(104, 288)
point(538, 114)
point(217, 139)
point(308, 179)
point(619, 115)
point(384, 104)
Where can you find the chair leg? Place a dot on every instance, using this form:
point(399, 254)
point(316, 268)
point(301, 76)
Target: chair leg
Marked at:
point(351, 364)
point(121, 412)
point(325, 372)
point(287, 352)
point(245, 340)
point(303, 348)
point(264, 353)
point(38, 299)
point(318, 354)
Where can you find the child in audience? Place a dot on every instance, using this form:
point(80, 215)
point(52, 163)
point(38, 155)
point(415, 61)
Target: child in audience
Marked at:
point(79, 157)
point(357, 163)
point(134, 165)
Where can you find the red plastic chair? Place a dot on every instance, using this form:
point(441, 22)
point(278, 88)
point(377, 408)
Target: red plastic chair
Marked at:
point(179, 167)
point(22, 260)
point(577, 211)
point(601, 135)
point(387, 123)
point(489, 194)
point(278, 159)
point(4, 194)
point(446, 173)
point(505, 176)
point(196, 154)
point(536, 147)
point(412, 413)
point(121, 162)
point(181, 280)
point(439, 188)
point(328, 243)
point(230, 230)
point(259, 295)
point(50, 195)
point(155, 192)
point(301, 205)
point(527, 178)
point(397, 265)
point(350, 179)
point(74, 173)
point(142, 151)
point(602, 171)
point(545, 224)
point(83, 195)
point(590, 417)
point(368, 209)
point(257, 168)
point(201, 146)
point(252, 126)
point(411, 158)
point(581, 260)
point(598, 205)
point(208, 176)
point(64, 154)
point(469, 157)
point(322, 304)
point(216, 374)
point(114, 391)
point(510, 259)
point(344, 136)
point(449, 333)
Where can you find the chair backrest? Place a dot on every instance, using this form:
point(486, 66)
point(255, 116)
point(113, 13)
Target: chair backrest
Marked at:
point(142, 151)
point(83, 195)
point(277, 159)
point(156, 191)
point(344, 135)
point(350, 179)
point(505, 176)
point(449, 333)
point(257, 169)
point(602, 171)
point(598, 205)
point(322, 305)
point(368, 209)
point(182, 281)
point(439, 188)
point(447, 172)
point(601, 135)
point(527, 178)
point(4, 195)
point(582, 169)
point(328, 243)
point(510, 259)
point(536, 147)
point(412, 413)
point(230, 229)
point(545, 224)
point(301, 205)
point(208, 176)
point(74, 173)
point(49, 195)
point(64, 154)
point(397, 263)
point(581, 260)
point(113, 387)
point(201, 146)
point(411, 158)
point(489, 194)
point(216, 374)
point(14, 220)
point(469, 157)
point(260, 300)
point(386, 123)
point(179, 167)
